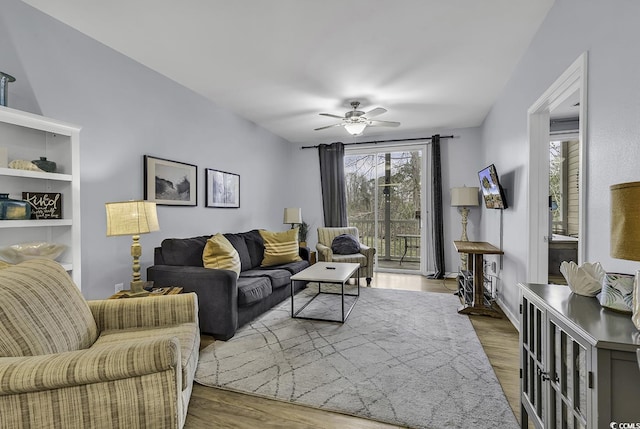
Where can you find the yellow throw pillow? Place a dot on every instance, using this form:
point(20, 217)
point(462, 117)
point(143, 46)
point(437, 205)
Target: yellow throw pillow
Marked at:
point(280, 247)
point(219, 253)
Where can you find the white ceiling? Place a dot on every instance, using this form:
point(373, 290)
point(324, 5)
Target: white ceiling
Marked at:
point(433, 64)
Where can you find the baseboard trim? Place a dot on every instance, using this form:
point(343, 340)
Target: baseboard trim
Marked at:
point(515, 321)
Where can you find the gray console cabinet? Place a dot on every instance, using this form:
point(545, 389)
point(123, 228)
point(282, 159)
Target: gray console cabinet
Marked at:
point(578, 361)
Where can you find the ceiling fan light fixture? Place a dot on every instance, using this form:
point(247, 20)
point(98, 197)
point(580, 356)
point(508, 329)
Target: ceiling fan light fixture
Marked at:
point(355, 128)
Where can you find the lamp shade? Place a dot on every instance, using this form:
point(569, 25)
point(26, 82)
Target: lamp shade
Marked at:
point(131, 218)
point(292, 215)
point(355, 128)
point(465, 196)
point(625, 221)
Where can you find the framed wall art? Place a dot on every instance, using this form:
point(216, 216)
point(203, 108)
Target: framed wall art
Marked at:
point(222, 188)
point(170, 183)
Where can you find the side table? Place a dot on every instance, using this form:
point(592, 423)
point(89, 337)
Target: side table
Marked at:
point(156, 291)
point(475, 251)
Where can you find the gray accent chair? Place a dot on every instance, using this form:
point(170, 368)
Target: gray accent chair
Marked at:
point(365, 258)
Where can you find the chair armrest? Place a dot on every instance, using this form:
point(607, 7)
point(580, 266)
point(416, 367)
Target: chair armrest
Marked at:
point(367, 251)
point(324, 252)
point(145, 312)
point(94, 365)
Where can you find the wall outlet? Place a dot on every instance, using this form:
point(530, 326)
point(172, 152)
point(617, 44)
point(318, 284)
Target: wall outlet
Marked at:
point(119, 287)
point(493, 267)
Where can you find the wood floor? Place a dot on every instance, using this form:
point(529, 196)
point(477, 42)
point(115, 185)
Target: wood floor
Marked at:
point(210, 407)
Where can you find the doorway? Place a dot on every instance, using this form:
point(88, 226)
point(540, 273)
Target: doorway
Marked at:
point(564, 211)
point(384, 201)
point(569, 91)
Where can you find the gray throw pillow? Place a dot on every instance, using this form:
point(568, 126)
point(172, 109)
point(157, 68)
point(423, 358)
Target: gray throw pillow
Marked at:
point(345, 244)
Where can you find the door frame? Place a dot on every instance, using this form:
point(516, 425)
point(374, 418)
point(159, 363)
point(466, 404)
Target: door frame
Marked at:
point(572, 80)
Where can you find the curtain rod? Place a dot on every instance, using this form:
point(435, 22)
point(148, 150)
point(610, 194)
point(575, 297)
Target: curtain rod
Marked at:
point(385, 141)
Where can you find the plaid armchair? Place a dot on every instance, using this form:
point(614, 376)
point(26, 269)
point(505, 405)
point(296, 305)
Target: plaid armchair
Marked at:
point(365, 258)
point(69, 363)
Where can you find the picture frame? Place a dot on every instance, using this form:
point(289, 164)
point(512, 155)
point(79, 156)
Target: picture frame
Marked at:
point(170, 183)
point(222, 189)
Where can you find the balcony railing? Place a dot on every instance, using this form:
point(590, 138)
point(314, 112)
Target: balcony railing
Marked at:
point(396, 230)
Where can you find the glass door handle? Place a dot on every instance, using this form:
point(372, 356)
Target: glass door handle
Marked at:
point(543, 374)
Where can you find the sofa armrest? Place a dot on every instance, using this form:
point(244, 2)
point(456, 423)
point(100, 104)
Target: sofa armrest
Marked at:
point(147, 312)
point(217, 292)
point(93, 365)
point(304, 253)
point(324, 252)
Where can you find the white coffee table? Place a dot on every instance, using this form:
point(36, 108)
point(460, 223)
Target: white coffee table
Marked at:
point(327, 272)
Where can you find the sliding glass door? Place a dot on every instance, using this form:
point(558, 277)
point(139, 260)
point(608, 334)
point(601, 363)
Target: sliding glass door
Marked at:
point(384, 201)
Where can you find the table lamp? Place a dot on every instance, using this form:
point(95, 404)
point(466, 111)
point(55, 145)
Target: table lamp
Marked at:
point(292, 215)
point(132, 218)
point(464, 197)
point(625, 232)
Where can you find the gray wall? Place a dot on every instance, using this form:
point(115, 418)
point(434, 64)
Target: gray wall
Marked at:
point(126, 111)
point(608, 30)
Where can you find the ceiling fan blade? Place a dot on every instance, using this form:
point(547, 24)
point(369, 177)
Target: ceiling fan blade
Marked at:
point(384, 124)
point(331, 115)
point(328, 126)
point(375, 112)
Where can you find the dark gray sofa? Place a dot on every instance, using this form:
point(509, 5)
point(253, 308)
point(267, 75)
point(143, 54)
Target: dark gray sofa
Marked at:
point(225, 303)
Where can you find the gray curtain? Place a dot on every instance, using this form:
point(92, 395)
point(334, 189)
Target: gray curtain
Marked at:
point(334, 198)
point(436, 192)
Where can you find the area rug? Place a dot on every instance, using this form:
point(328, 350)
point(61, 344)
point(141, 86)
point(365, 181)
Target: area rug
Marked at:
point(402, 357)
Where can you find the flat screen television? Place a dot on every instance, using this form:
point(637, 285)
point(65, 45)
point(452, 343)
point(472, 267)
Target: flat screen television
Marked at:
point(492, 192)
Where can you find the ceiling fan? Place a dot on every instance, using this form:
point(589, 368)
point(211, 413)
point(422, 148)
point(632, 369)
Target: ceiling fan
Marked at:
point(355, 121)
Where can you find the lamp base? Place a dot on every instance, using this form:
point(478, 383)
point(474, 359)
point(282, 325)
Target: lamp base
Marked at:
point(137, 289)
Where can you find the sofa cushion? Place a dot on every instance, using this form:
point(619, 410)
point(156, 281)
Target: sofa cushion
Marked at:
point(184, 251)
point(291, 267)
point(280, 247)
point(345, 244)
point(277, 277)
point(255, 245)
point(239, 243)
point(356, 258)
point(220, 254)
point(252, 290)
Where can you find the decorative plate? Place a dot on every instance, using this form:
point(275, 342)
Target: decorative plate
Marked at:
point(38, 250)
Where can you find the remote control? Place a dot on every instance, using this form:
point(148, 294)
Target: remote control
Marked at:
point(331, 268)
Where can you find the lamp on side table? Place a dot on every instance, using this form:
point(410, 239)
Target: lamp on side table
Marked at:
point(464, 197)
point(133, 218)
point(293, 216)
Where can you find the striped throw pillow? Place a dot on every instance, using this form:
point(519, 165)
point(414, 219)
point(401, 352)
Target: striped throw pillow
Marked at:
point(219, 253)
point(280, 247)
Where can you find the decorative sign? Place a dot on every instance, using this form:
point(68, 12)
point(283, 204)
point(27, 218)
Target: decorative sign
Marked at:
point(44, 205)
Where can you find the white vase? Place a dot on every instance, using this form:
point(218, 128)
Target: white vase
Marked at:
point(636, 303)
